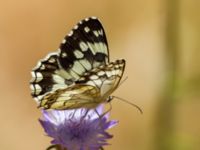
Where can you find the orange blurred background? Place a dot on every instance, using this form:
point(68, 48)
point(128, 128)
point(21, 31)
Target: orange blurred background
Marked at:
point(158, 39)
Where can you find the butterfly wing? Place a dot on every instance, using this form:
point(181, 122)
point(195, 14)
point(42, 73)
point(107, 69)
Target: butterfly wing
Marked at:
point(89, 91)
point(105, 78)
point(83, 49)
point(47, 76)
point(70, 98)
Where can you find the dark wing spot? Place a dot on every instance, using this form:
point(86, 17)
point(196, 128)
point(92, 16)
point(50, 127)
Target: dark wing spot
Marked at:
point(100, 57)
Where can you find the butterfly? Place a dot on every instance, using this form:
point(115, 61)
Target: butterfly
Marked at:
point(79, 74)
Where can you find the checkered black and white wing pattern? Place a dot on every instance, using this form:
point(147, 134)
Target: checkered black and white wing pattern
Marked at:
point(105, 78)
point(93, 88)
point(47, 76)
point(82, 50)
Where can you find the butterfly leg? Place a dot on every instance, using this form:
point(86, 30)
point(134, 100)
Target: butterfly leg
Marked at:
point(74, 113)
point(101, 117)
point(85, 114)
point(109, 109)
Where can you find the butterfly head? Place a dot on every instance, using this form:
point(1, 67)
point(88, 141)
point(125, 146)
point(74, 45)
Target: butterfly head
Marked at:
point(109, 99)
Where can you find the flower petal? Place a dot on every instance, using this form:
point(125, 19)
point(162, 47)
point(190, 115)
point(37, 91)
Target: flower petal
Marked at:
point(78, 129)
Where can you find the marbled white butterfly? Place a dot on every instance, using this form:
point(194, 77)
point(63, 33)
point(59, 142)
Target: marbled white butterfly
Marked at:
point(79, 74)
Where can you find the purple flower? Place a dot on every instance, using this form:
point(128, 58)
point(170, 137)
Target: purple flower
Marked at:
point(77, 129)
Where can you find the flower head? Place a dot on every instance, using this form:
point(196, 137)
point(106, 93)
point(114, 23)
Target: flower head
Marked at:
point(78, 129)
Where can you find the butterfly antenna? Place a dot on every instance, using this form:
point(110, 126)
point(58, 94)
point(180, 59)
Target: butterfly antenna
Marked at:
point(132, 104)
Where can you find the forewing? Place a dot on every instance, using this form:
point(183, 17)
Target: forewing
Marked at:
point(84, 48)
point(47, 76)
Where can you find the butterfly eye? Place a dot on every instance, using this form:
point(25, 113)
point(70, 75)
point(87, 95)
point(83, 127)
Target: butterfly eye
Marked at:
point(109, 99)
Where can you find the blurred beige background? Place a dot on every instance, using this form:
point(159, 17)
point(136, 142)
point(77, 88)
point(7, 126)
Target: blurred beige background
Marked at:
point(138, 32)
